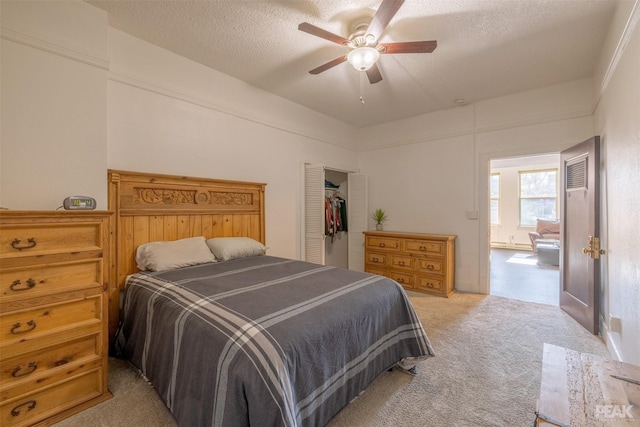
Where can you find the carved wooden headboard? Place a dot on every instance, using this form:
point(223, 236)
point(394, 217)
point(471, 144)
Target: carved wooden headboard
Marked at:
point(152, 207)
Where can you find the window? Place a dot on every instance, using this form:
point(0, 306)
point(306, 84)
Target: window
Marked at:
point(494, 194)
point(538, 195)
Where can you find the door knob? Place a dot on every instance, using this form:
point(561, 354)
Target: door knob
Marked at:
point(594, 250)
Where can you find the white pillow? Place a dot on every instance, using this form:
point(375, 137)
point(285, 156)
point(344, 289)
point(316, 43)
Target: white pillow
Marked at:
point(226, 248)
point(161, 256)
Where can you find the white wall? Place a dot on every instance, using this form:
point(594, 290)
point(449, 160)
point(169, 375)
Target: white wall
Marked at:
point(53, 103)
point(79, 98)
point(167, 114)
point(617, 121)
point(433, 176)
point(427, 187)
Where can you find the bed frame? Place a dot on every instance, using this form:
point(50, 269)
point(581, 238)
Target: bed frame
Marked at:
point(151, 207)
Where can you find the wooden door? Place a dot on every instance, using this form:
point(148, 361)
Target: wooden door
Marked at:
point(580, 228)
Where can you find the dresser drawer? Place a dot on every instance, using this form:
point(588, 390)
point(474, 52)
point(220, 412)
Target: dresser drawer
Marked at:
point(374, 258)
point(404, 279)
point(27, 324)
point(33, 369)
point(41, 404)
point(430, 266)
point(399, 261)
point(429, 247)
point(386, 243)
point(430, 284)
point(27, 240)
point(52, 278)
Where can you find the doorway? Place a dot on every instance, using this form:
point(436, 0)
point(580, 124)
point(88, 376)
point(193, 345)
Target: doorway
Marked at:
point(521, 191)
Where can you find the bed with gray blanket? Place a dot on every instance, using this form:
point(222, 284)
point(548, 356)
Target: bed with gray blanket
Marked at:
point(266, 341)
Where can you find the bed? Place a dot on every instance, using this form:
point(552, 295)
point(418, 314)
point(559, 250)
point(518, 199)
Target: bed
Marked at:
point(254, 339)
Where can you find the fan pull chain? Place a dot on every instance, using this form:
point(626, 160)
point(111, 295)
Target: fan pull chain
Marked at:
point(362, 87)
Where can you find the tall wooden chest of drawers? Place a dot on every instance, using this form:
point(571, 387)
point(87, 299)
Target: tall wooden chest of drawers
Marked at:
point(53, 314)
point(419, 262)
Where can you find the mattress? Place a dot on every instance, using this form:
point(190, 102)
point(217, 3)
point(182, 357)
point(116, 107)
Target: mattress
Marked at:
point(266, 341)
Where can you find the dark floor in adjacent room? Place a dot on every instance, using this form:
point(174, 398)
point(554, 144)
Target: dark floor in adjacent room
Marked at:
point(517, 275)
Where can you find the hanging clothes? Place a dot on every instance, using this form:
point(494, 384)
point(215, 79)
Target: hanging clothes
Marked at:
point(343, 215)
point(328, 217)
point(335, 215)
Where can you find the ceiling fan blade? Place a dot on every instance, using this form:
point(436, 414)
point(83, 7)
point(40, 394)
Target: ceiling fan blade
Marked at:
point(383, 16)
point(374, 74)
point(409, 47)
point(328, 65)
point(319, 32)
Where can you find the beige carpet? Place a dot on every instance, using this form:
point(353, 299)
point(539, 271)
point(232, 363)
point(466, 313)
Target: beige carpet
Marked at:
point(486, 371)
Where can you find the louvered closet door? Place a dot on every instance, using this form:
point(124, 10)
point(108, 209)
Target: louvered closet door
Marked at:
point(357, 207)
point(314, 213)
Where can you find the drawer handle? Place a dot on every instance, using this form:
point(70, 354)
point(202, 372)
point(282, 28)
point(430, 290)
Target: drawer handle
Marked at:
point(375, 259)
point(31, 404)
point(423, 248)
point(31, 242)
point(16, 285)
point(400, 280)
point(31, 367)
point(401, 263)
point(429, 285)
point(381, 244)
point(430, 267)
point(31, 326)
point(61, 362)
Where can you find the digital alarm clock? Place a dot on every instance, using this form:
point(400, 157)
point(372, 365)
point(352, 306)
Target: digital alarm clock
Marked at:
point(79, 202)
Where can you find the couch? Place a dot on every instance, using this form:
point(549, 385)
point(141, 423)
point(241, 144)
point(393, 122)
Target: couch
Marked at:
point(547, 230)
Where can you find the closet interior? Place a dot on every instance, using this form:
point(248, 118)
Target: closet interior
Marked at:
point(324, 241)
point(336, 244)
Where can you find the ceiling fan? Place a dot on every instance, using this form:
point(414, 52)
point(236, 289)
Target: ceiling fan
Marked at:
point(364, 49)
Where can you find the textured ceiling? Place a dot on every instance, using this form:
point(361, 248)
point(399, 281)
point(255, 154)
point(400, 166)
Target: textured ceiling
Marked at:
point(486, 48)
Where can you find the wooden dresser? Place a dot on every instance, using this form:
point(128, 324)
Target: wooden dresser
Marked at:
point(419, 262)
point(53, 314)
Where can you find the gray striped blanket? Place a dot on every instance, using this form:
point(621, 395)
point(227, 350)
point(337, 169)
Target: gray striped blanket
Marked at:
point(266, 341)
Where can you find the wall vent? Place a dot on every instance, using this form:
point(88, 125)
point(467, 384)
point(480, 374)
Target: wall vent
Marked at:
point(577, 174)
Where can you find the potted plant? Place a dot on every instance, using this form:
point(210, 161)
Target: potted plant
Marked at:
point(379, 216)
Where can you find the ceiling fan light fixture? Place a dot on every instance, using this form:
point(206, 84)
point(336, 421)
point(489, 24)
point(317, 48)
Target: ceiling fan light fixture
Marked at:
point(363, 58)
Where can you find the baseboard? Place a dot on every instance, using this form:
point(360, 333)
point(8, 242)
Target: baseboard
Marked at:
point(515, 246)
point(611, 345)
point(522, 246)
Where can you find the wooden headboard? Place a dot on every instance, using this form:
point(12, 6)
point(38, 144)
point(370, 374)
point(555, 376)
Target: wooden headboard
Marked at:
point(153, 207)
